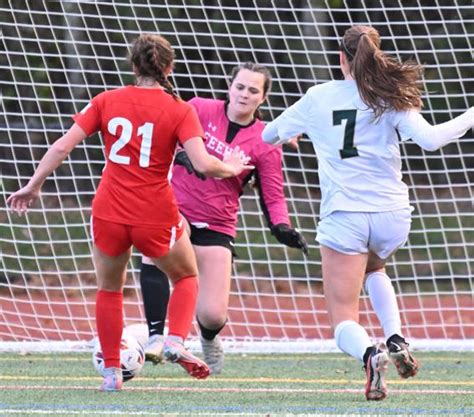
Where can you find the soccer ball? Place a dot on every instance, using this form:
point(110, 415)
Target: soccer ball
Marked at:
point(132, 357)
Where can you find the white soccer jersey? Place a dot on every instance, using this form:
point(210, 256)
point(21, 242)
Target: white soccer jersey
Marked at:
point(359, 156)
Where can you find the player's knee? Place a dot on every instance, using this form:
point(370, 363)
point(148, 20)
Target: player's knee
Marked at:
point(181, 271)
point(189, 282)
point(376, 274)
point(213, 317)
point(210, 330)
point(174, 269)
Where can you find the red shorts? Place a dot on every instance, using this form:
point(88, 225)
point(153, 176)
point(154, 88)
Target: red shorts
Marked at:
point(114, 238)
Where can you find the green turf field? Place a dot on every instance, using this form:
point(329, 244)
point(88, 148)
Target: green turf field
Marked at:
point(251, 385)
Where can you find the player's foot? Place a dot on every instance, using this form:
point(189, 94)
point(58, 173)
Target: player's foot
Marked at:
point(404, 361)
point(113, 379)
point(175, 352)
point(376, 361)
point(213, 354)
point(154, 349)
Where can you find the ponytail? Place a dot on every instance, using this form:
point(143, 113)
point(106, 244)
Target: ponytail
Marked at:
point(384, 83)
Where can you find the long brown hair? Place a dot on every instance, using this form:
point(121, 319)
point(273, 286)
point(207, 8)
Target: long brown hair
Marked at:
point(384, 83)
point(251, 66)
point(152, 55)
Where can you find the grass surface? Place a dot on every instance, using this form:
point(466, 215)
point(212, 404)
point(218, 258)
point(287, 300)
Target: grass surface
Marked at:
point(251, 385)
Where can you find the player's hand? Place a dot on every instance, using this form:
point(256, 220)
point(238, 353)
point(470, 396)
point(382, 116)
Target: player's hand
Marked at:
point(238, 161)
point(293, 143)
point(182, 158)
point(21, 200)
point(289, 237)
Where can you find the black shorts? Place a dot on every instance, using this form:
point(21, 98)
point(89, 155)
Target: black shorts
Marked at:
point(202, 236)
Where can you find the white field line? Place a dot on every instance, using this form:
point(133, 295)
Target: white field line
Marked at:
point(401, 382)
point(237, 390)
point(68, 411)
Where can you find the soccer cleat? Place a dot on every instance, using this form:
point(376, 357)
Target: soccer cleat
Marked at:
point(113, 379)
point(403, 360)
point(376, 362)
point(213, 354)
point(154, 349)
point(175, 352)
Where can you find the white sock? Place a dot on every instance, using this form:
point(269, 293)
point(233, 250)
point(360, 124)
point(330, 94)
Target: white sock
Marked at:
point(384, 302)
point(352, 339)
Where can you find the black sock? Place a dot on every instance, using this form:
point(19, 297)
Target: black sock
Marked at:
point(209, 334)
point(156, 294)
point(395, 338)
point(367, 353)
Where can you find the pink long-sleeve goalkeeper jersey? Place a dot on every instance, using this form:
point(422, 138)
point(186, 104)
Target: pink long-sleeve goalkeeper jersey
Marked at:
point(214, 203)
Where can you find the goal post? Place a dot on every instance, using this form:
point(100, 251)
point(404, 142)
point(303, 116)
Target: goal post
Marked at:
point(57, 55)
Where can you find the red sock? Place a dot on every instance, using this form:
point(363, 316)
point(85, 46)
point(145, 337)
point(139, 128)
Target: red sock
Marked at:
point(109, 322)
point(182, 306)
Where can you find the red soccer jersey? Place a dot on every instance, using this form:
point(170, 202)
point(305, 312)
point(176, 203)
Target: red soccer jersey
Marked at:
point(140, 129)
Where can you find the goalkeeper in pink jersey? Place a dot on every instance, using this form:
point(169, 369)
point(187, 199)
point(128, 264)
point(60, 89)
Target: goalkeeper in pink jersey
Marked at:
point(210, 208)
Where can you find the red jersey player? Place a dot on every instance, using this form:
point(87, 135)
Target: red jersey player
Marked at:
point(135, 205)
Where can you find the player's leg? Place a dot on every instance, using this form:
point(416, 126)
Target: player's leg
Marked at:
point(344, 237)
point(342, 279)
point(389, 232)
point(155, 290)
point(180, 266)
point(384, 302)
point(111, 253)
point(111, 275)
point(215, 265)
point(171, 251)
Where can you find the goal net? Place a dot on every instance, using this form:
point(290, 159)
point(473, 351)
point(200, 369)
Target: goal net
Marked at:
point(57, 55)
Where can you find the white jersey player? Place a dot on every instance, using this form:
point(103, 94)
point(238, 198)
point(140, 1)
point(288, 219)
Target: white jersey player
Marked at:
point(358, 153)
point(355, 126)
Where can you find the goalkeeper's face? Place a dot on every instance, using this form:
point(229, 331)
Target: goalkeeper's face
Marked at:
point(246, 93)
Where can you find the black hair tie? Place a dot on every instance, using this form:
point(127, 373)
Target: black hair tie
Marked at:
point(346, 50)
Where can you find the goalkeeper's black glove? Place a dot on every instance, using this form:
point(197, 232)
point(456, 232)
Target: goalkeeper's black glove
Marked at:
point(289, 237)
point(182, 158)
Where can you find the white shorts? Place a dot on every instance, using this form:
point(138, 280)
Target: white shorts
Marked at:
point(353, 233)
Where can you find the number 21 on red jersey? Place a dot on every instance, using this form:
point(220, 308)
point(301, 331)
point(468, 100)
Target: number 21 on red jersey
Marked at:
point(146, 131)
